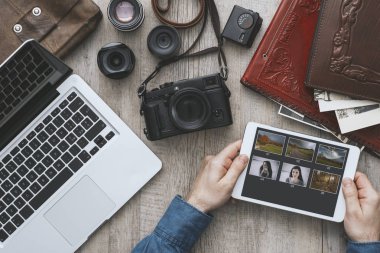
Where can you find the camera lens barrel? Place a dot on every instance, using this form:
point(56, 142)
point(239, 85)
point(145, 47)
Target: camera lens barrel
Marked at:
point(116, 60)
point(126, 15)
point(164, 42)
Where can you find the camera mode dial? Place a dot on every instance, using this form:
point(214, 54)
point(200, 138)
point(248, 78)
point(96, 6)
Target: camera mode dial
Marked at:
point(245, 21)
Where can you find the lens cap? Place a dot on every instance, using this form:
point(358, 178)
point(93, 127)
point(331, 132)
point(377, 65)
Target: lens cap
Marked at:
point(164, 41)
point(116, 60)
point(125, 15)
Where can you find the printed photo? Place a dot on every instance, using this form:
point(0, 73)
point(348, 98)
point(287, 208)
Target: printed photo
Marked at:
point(300, 149)
point(294, 174)
point(331, 156)
point(269, 142)
point(324, 181)
point(263, 167)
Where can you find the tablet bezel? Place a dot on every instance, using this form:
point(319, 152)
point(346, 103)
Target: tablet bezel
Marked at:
point(350, 169)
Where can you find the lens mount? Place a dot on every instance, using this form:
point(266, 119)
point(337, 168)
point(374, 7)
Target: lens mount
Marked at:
point(164, 41)
point(122, 17)
point(189, 109)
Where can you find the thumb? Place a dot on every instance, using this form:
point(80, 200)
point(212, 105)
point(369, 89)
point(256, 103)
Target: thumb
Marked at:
point(351, 196)
point(237, 167)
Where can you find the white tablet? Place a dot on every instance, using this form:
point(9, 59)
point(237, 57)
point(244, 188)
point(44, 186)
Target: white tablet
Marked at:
point(295, 172)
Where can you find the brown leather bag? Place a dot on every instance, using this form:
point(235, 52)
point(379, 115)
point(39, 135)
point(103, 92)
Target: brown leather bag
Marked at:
point(58, 25)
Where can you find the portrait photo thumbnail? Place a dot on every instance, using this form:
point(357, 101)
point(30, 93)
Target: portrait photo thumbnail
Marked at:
point(263, 167)
point(270, 142)
point(324, 181)
point(294, 174)
point(300, 149)
point(331, 156)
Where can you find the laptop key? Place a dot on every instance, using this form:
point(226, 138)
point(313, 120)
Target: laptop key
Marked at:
point(39, 127)
point(3, 235)
point(58, 121)
point(58, 165)
point(35, 188)
point(27, 151)
point(82, 142)
point(30, 163)
point(31, 135)
point(31, 176)
point(22, 170)
point(63, 104)
point(46, 148)
point(43, 180)
point(27, 195)
point(86, 111)
point(69, 125)
point(66, 158)
point(6, 159)
point(47, 119)
point(42, 136)
point(17, 220)
point(4, 217)
point(15, 151)
point(34, 144)
point(55, 153)
point(39, 169)
point(100, 141)
point(11, 210)
point(23, 143)
point(10, 228)
point(62, 133)
point(71, 96)
point(26, 212)
point(74, 150)
point(84, 156)
point(47, 161)
point(55, 112)
point(16, 191)
point(94, 151)
point(14, 178)
point(6, 185)
point(11, 166)
point(4, 174)
point(71, 138)
point(76, 104)
point(50, 129)
point(19, 203)
point(8, 199)
point(63, 146)
point(19, 159)
point(66, 114)
point(50, 188)
point(95, 130)
point(75, 165)
point(51, 173)
point(87, 123)
point(2, 206)
point(79, 131)
point(38, 155)
point(77, 117)
point(110, 135)
point(24, 183)
point(54, 140)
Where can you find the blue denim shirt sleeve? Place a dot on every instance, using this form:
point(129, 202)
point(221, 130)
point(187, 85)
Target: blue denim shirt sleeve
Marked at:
point(177, 231)
point(369, 247)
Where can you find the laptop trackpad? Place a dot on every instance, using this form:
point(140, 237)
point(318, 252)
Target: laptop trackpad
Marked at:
point(80, 211)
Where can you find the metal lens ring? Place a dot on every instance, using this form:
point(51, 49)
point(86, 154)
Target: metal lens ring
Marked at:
point(126, 15)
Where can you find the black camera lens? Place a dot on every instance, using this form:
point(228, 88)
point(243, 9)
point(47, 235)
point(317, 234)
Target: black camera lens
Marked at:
point(189, 109)
point(164, 41)
point(126, 15)
point(116, 60)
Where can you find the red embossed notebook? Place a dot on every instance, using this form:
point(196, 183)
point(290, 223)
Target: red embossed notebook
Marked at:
point(279, 65)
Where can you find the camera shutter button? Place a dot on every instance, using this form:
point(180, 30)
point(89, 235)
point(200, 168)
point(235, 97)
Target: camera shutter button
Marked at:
point(245, 21)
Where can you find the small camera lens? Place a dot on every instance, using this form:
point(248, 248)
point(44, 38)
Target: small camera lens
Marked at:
point(126, 15)
point(124, 11)
point(116, 60)
point(164, 42)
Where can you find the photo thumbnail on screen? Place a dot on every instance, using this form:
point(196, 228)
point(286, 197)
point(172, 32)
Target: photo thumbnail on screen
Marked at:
point(294, 174)
point(331, 156)
point(324, 181)
point(300, 149)
point(264, 168)
point(270, 142)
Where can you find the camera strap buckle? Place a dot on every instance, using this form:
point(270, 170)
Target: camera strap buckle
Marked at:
point(224, 73)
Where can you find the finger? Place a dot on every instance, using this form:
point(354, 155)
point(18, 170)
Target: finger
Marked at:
point(364, 186)
point(350, 193)
point(237, 167)
point(230, 152)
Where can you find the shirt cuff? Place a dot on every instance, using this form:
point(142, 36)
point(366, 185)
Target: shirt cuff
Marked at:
point(365, 247)
point(182, 224)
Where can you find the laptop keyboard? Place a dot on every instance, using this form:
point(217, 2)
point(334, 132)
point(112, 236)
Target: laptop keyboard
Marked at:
point(46, 158)
point(20, 76)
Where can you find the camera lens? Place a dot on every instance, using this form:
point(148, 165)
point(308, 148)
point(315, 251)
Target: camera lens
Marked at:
point(164, 41)
point(126, 15)
point(190, 109)
point(116, 60)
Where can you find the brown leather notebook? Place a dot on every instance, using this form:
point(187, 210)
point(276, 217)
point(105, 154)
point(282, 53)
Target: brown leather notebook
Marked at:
point(345, 53)
point(279, 65)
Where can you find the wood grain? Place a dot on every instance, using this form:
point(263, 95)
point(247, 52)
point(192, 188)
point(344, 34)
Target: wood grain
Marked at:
point(239, 226)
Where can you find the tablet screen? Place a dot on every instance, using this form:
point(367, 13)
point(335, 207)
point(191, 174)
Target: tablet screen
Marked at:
point(295, 172)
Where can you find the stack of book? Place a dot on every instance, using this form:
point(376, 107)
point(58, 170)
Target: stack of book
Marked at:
point(321, 62)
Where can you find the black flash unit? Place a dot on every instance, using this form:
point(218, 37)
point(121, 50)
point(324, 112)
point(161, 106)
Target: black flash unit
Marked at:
point(242, 26)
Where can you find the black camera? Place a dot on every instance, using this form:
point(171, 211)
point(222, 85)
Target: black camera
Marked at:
point(242, 26)
point(116, 60)
point(186, 106)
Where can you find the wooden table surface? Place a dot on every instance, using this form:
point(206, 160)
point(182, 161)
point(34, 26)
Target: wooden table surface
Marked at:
point(238, 226)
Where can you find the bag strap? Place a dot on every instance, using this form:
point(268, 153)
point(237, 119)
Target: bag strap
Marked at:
point(210, 7)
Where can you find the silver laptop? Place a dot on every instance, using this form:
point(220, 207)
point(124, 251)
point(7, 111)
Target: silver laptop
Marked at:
point(67, 161)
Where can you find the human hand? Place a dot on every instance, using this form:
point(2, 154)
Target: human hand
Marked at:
point(217, 177)
point(362, 220)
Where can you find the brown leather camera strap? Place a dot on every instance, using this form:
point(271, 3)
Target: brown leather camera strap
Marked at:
point(209, 7)
point(159, 11)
